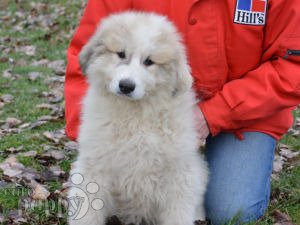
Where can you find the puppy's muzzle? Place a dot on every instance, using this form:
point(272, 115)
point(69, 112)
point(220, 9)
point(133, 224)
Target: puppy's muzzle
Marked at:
point(126, 86)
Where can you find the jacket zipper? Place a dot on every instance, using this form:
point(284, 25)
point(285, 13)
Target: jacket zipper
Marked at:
point(290, 52)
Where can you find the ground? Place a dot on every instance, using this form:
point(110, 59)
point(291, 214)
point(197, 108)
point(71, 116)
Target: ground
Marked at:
point(35, 155)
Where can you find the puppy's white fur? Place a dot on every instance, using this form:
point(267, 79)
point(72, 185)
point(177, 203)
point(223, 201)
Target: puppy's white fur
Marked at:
point(141, 149)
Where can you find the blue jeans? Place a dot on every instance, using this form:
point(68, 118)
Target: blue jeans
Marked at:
point(240, 172)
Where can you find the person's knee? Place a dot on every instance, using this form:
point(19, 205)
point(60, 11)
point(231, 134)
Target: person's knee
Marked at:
point(221, 212)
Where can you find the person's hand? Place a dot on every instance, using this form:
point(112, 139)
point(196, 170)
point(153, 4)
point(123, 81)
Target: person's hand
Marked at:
point(201, 125)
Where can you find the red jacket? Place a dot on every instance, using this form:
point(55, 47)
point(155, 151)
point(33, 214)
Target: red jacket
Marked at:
point(244, 56)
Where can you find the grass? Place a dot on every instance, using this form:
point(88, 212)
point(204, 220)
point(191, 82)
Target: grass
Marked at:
point(27, 95)
point(10, 196)
point(289, 188)
point(51, 44)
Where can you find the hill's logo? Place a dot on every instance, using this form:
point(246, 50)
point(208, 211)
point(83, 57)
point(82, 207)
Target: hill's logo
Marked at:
point(252, 12)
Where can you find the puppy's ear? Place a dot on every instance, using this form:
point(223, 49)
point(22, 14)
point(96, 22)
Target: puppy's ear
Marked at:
point(88, 52)
point(184, 78)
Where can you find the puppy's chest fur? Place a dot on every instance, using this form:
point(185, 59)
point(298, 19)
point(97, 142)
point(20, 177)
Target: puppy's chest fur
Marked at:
point(136, 152)
point(127, 138)
point(133, 128)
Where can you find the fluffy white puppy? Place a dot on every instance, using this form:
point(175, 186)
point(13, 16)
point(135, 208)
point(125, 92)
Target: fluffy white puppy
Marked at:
point(138, 139)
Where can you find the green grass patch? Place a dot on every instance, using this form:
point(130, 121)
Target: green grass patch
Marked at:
point(10, 196)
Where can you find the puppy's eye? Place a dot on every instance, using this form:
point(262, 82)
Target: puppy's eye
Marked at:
point(148, 62)
point(121, 55)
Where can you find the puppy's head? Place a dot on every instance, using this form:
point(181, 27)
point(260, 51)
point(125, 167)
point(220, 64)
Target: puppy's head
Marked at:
point(136, 55)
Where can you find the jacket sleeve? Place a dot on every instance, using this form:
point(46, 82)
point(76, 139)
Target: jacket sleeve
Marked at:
point(273, 86)
point(75, 83)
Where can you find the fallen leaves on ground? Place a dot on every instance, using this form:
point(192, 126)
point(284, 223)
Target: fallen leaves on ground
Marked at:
point(10, 122)
point(11, 167)
point(55, 136)
point(282, 218)
point(39, 192)
point(14, 217)
point(32, 76)
point(53, 154)
point(58, 67)
point(284, 157)
point(25, 60)
point(28, 49)
point(15, 171)
point(6, 98)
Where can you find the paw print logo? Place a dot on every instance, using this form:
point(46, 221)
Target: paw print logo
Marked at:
point(79, 201)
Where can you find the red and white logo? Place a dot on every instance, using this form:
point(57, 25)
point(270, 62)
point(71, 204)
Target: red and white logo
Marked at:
point(251, 12)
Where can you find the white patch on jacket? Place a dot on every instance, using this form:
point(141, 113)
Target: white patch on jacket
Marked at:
point(140, 147)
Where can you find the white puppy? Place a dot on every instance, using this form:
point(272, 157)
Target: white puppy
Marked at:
point(138, 139)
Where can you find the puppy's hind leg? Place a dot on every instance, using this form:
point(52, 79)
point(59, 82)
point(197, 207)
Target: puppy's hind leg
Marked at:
point(176, 215)
point(183, 204)
point(200, 212)
point(179, 210)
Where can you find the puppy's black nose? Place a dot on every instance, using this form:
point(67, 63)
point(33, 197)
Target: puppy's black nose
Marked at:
point(126, 86)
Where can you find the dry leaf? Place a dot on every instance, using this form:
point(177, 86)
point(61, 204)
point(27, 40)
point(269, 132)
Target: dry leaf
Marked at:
point(56, 111)
point(28, 50)
point(289, 154)
point(55, 136)
point(282, 218)
point(71, 146)
point(11, 122)
point(21, 62)
point(6, 98)
point(48, 118)
point(4, 4)
point(278, 164)
point(297, 123)
point(37, 124)
point(50, 80)
point(11, 167)
point(16, 217)
point(29, 177)
point(4, 59)
point(2, 218)
point(34, 76)
point(11, 172)
point(29, 154)
point(24, 125)
point(14, 149)
point(42, 62)
point(40, 193)
point(7, 73)
point(45, 106)
point(57, 171)
point(54, 96)
point(54, 154)
point(58, 66)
